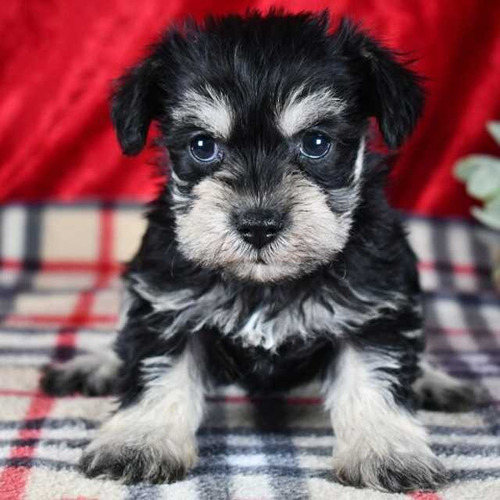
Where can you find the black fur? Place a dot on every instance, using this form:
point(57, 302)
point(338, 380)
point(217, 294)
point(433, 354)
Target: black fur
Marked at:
point(54, 382)
point(254, 61)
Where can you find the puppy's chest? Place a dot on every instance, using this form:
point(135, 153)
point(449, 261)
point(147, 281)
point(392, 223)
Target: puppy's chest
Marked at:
point(264, 323)
point(268, 327)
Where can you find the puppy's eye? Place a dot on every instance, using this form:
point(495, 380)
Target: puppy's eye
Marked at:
point(203, 148)
point(315, 145)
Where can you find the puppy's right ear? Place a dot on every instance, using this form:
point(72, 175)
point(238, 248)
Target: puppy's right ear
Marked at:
point(390, 91)
point(136, 102)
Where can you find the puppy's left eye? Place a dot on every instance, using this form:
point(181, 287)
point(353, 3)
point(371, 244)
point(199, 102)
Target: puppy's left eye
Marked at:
point(315, 145)
point(204, 148)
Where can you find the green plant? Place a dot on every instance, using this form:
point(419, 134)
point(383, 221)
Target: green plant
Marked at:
point(481, 175)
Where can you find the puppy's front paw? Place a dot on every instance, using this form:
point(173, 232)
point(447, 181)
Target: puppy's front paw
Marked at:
point(158, 461)
point(91, 374)
point(398, 472)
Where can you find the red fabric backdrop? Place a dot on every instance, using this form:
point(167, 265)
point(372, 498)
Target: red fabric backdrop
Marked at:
point(57, 59)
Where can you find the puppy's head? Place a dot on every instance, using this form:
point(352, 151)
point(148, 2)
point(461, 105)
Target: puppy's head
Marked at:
point(264, 119)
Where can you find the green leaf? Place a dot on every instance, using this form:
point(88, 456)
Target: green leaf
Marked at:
point(481, 173)
point(484, 184)
point(465, 167)
point(494, 130)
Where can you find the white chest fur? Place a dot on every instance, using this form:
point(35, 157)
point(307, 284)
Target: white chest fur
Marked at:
point(263, 326)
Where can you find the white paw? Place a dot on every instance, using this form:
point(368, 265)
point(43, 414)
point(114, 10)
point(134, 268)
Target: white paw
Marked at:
point(155, 458)
point(396, 472)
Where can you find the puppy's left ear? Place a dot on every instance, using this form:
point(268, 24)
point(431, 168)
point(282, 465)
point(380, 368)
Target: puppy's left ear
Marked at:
point(136, 103)
point(390, 91)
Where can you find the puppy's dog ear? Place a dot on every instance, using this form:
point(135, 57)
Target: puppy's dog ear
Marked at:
point(391, 91)
point(136, 102)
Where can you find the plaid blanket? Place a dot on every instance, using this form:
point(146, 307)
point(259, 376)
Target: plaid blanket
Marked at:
point(59, 281)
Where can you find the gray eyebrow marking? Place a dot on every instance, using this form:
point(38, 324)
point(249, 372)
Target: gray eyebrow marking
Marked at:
point(210, 110)
point(301, 110)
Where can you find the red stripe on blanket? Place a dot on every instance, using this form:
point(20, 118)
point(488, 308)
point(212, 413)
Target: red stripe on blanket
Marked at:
point(462, 331)
point(424, 495)
point(14, 479)
point(74, 320)
point(79, 498)
point(454, 268)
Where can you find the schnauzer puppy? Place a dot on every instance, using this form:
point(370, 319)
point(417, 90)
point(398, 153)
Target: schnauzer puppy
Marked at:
point(271, 256)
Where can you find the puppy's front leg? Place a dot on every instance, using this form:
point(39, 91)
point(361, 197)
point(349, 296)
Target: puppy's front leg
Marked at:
point(153, 438)
point(379, 442)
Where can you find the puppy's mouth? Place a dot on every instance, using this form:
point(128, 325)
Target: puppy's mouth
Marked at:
point(261, 271)
point(261, 260)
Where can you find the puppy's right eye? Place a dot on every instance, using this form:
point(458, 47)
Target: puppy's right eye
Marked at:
point(315, 145)
point(204, 148)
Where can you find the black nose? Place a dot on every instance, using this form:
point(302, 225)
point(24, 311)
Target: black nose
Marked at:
point(259, 227)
